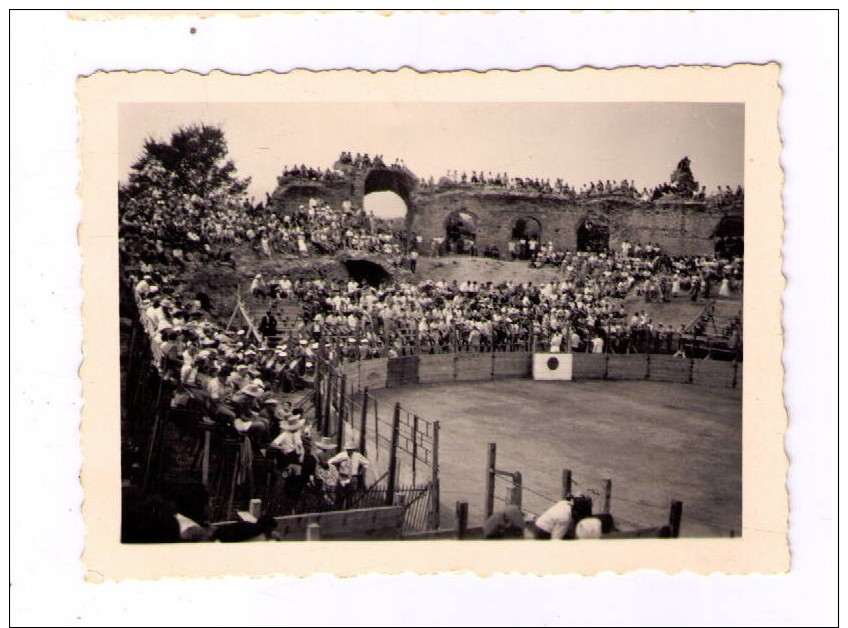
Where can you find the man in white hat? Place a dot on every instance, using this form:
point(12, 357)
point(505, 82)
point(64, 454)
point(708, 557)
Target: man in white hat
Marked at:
point(289, 443)
point(351, 466)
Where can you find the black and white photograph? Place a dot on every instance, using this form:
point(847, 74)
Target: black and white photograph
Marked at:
point(344, 315)
point(411, 321)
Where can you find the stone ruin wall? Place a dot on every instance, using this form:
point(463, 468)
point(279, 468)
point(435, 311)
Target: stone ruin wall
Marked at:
point(679, 226)
point(682, 228)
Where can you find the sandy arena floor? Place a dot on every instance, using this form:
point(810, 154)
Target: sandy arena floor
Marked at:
point(656, 441)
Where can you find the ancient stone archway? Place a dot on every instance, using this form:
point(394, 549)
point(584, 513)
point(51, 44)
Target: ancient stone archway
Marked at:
point(389, 180)
point(592, 236)
point(461, 232)
point(525, 238)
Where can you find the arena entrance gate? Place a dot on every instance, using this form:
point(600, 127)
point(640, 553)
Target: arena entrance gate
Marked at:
point(461, 232)
point(592, 236)
point(402, 447)
point(526, 235)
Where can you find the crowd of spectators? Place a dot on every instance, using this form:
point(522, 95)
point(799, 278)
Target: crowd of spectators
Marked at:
point(577, 312)
point(176, 232)
point(502, 181)
point(234, 376)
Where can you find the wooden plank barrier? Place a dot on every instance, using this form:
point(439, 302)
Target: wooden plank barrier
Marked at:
point(713, 373)
point(372, 373)
point(515, 364)
point(631, 367)
point(667, 368)
point(435, 368)
point(472, 367)
point(349, 525)
point(588, 365)
point(402, 371)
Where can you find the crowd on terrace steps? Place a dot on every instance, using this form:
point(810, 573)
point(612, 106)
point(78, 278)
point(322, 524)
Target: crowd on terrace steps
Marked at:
point(235, 376)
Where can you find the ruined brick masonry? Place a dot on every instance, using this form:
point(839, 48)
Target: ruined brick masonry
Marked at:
point(680, 226)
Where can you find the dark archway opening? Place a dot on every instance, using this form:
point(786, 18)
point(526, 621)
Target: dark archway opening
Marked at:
point(593, 237)
point(526, 235)
point(461, 232)
point(365, 271)
point(729, 237)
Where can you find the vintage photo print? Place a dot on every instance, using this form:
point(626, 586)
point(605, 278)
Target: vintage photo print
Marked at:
point(404, 321)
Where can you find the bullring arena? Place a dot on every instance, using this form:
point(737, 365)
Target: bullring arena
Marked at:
point(259, 348)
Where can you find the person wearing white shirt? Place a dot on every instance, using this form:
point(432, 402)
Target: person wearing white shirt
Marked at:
point(351, 466)
point(555, 522)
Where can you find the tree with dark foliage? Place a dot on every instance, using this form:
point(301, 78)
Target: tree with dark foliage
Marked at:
point(176, 185)
point(683, 180)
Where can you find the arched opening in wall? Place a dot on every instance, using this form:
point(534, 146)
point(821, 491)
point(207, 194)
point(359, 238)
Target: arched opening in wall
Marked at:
point(461, 232)
point(525, 238)
point(592, 236)
point(385, 205)
point(386, 193)
point(729, 236)
point(366, 271)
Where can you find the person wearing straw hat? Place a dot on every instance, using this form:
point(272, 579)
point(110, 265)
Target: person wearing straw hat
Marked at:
point(268, 414)
point(289, 443)
point(326, 475)
point(351, 466)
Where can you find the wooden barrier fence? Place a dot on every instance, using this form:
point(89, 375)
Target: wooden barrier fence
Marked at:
point(470, 367)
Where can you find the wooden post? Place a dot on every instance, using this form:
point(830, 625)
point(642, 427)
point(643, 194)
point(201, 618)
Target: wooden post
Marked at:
point(232, 493)
point(606, 366)
point(735, 372)
point(376, 432)
point(691, 370)
point(204, 465)
point(342, 397)
point(313, 531)
point(340, 429)
point(435, 488)
point(317, 398)
point(362, 422)
point(392, 479)
point(331, 400)
point(674, 517)
point(489, 506)
point(513, 492)
point(325, 400)
point(647, 366)
point(461, 519)
point(607, 495)
point(151, 445)
point(566, 483)
point(414, 445)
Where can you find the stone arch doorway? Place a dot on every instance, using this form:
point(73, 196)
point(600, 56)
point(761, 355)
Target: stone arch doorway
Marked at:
point(389, 180)
point(386, 194)
point(461, 232)
point(592, 236)
point(525, 238)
